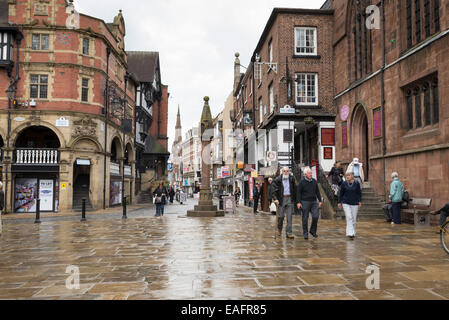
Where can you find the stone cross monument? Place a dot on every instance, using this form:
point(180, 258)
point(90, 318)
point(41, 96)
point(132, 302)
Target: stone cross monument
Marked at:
point(205, 207)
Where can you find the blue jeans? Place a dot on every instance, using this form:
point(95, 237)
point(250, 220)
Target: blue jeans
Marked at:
point(396, 208)
point(443, 217)
point(312, 207)
point(159, 209)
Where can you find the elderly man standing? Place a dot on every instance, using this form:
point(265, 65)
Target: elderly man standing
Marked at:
point(284, 194)
point(309, 199)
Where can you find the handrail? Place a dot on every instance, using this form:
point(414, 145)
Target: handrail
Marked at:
point(321, 177)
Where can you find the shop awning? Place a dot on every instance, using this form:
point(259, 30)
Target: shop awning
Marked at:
point(269, 171)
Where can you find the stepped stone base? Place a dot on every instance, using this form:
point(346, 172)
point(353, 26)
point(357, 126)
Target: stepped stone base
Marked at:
point(205, 207)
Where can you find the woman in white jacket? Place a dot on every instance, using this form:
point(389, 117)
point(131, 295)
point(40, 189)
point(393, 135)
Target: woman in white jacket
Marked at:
point(356, 167)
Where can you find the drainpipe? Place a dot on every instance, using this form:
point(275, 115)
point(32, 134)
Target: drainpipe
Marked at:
point(382, 95)
point(19, 38)
point(106, 104)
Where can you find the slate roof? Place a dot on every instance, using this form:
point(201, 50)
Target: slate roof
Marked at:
point(143, 64)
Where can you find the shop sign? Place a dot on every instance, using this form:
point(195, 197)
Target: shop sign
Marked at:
point(63, 185)
point(254, 174)
point(62, 122)
point(219, 173)
point(83, 162)
point(46, 195)
point(225, 172)
point(287, 110)
point(272, 156)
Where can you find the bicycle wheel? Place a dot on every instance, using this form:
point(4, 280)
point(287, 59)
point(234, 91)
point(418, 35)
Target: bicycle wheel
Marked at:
point(444, 236)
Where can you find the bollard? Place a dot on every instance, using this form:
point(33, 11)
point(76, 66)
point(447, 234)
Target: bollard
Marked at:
point(38, 211)
point(124, 208)
point(83, 211)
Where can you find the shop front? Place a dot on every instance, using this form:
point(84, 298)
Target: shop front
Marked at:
point(116, 185)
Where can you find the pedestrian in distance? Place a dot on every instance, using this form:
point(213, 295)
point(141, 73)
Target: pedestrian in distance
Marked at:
point(396, 194)
point(160, 195)
point(270, 196)
point(257, 195)
point(356, 167)
point(443, 212)
point(171, 193)
point(237, 194)
point(350, 197)
point(2, 204)
point(309, 200)
point(337, 175)
point(284, 196)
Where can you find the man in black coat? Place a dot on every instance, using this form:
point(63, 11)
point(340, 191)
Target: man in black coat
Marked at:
point(284, 196)
point(309, 199)
point(257, 194)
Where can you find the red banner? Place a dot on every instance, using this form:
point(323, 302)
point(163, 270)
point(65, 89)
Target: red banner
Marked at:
point(344, 134)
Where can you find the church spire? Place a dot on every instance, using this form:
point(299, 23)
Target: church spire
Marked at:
point(178, 119)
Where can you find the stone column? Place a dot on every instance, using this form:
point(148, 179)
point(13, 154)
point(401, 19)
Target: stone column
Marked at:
point(205, 207)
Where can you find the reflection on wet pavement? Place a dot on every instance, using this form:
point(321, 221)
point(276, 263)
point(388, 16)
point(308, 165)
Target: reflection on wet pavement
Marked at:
point(234, 257)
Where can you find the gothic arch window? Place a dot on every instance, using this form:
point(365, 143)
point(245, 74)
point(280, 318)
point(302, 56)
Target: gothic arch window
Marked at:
point(361, 40)
point(421, 102)
point(422, 19)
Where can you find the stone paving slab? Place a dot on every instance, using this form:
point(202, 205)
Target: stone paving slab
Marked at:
point(231, 257)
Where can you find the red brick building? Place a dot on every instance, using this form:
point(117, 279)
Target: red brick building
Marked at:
point(284, 101)
point(390, 83)
point(67, 123)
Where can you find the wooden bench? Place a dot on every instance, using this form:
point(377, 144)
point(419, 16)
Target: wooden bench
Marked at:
point(418, 212)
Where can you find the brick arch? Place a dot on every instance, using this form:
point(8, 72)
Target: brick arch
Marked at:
point(77, 140)
point(17, 131)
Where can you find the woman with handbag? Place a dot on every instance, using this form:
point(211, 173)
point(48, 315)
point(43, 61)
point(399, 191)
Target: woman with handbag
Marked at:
point(337, 177)
point(160, 198)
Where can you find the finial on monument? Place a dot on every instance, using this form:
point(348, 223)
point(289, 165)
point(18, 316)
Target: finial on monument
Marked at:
point(206, 98)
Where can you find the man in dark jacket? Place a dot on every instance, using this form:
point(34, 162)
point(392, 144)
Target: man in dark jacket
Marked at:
point(309, 199)
point(443, 212)
point(257, 195)
point(284, 196)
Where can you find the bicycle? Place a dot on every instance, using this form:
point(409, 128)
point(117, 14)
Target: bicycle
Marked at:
point(444, 236)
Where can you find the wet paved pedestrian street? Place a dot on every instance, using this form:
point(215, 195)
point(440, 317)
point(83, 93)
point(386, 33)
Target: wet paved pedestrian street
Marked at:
point(235, 257)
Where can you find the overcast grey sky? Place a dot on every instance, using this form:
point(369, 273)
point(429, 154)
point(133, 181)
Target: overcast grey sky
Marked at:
point(196, 41)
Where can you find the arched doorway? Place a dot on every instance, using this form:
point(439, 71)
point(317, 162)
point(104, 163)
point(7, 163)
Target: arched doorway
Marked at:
point(35, 169)
point(82, 169)
point(116, 185)
point(360, 137)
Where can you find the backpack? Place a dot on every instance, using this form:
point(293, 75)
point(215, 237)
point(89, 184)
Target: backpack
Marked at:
point(405, 200)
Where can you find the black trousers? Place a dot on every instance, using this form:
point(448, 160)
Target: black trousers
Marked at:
point(256, 203)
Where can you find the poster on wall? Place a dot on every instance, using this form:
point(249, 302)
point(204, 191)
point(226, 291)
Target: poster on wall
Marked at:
point(25, 195)
point(115, 193)
point(46, 194)
point(328, 153)
point(377, 122)
point(328, 137)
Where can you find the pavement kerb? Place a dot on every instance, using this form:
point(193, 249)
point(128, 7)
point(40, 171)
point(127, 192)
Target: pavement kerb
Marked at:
point(113, 210)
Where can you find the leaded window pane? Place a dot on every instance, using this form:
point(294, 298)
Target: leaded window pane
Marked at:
point(36, 42)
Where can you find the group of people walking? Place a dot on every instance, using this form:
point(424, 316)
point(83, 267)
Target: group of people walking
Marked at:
point(347, 188)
